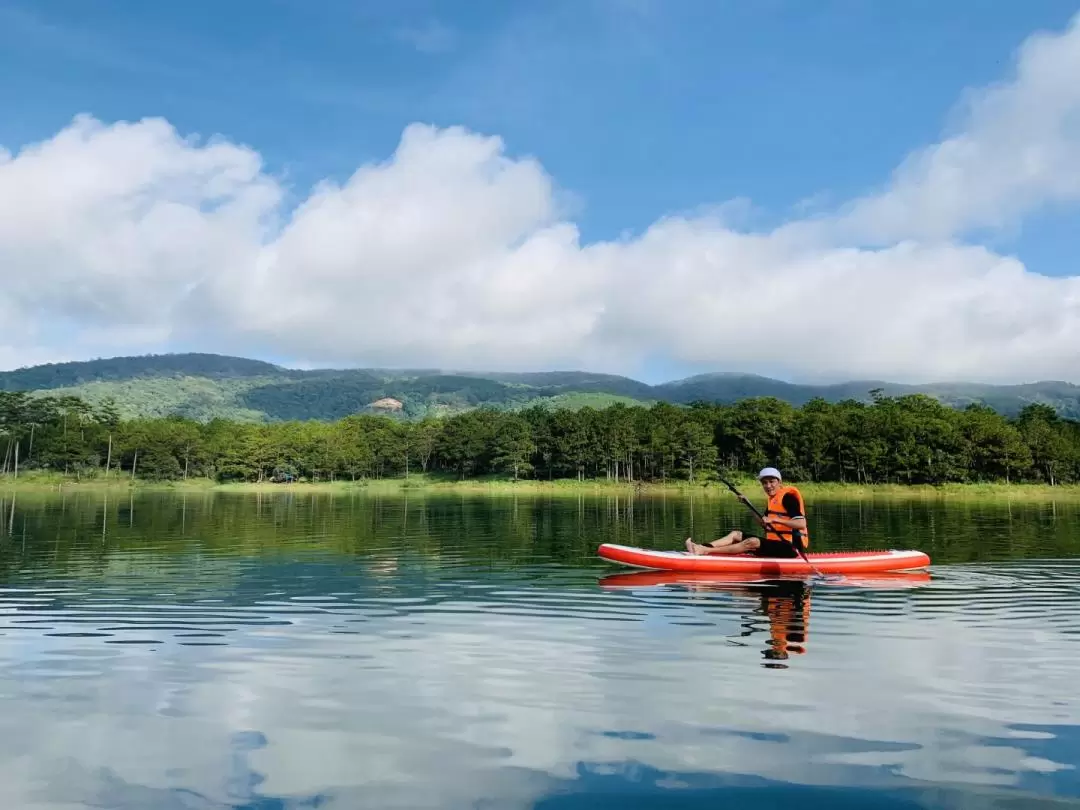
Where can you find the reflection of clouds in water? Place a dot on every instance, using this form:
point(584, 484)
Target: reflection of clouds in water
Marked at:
point(415, 707)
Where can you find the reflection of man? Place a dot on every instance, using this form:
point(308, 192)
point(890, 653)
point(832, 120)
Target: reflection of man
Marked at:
point(787, 607)
point(785, 603)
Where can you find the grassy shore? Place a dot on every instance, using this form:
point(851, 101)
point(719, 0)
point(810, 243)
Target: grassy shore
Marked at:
point(43, 483)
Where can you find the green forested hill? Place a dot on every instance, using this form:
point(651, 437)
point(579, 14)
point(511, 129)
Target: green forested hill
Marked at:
point(202, 386)
point(1063, 397)
point(118, 369)
point(577, 382)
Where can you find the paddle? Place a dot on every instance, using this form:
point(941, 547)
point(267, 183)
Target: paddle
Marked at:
point(761, 517)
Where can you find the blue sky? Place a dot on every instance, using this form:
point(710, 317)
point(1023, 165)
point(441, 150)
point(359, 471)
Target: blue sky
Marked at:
point(638, 109)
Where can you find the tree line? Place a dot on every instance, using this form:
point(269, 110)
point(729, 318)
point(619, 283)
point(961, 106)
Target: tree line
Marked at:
point(910, 439)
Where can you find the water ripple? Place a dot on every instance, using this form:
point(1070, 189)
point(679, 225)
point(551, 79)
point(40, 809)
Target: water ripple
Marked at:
point(453, 652)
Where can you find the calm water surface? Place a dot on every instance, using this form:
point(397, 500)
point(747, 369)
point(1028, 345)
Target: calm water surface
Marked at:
point(442, 652)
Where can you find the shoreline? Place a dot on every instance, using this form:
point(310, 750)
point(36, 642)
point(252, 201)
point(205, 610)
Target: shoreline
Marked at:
point(419, 484)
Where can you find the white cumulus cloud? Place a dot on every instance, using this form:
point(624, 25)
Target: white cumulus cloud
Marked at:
point(129, 237)
point(1018, 150)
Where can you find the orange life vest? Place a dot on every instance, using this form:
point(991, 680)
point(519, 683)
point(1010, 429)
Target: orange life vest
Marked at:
point(776, 508)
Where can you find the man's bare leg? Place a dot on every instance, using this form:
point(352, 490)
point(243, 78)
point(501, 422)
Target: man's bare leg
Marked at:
point(731, 543)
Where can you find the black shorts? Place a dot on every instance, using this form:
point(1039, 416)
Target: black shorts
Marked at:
point(780, 549)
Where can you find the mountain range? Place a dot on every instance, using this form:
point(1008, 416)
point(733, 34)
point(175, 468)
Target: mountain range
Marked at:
point(204, 386)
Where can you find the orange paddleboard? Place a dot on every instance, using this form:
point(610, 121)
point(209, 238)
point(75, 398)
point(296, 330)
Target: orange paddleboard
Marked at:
point(827, 562)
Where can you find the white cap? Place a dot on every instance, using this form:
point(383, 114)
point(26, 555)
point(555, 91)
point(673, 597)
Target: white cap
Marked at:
point(769, 472)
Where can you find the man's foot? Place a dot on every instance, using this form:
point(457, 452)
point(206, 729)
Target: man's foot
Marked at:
point(693, 548)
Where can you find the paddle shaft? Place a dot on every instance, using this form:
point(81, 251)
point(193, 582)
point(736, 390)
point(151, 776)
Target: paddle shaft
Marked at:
point(761, 517)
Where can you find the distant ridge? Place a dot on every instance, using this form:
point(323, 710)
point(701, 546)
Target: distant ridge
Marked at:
point(205, 386)
point(57, 375)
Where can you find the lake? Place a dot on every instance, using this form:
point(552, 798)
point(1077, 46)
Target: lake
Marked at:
point(422, 651)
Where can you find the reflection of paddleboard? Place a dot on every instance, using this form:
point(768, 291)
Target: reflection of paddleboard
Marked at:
point(828, 562)
point(647, 579)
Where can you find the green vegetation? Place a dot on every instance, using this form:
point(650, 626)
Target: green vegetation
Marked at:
point(576, 401)
point(909, 440)
point(115, 369)
point(38, 483)
point(198, 398)
point(204, 387)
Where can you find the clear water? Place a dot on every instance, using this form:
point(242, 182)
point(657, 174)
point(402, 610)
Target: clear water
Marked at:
point(448, 652)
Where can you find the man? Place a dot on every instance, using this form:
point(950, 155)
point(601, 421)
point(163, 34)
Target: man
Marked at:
point(784, 524)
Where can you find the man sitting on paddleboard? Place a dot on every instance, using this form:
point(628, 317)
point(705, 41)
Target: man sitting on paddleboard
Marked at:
point(784, 524)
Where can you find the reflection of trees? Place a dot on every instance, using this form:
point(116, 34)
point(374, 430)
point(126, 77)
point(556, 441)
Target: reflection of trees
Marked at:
point(103, 537)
